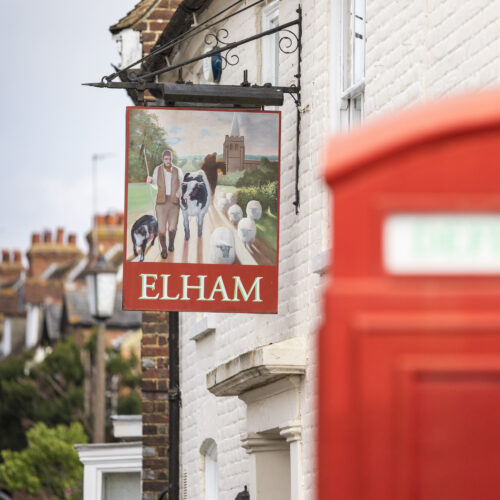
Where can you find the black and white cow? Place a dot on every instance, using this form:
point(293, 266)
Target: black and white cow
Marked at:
point(195, 199)
point(144, 230)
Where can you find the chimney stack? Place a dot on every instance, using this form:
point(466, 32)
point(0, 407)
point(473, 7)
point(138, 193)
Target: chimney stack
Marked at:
point(17, 256)
point(47, 236)
point(35, 238)
point(110, 220)
point(60, 235)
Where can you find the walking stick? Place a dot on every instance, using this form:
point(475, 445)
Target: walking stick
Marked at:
point(143, 151)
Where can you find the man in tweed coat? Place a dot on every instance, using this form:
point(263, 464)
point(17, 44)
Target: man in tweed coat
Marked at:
point(168, 178)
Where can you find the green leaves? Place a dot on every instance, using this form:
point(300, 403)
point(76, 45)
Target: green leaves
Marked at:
point(50, 461)
point(144, 130)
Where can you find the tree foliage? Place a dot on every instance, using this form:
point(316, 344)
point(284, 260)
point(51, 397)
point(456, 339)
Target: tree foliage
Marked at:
point(265, 173)
point(266, 194)
point(49, 462)
point(50, 392)
point(144, 130)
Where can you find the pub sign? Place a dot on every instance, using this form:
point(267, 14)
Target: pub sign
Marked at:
point(202, 210)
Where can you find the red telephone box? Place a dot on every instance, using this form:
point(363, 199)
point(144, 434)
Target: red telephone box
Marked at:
point(409, 352)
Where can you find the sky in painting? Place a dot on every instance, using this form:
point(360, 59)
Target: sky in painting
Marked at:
point(201, 132)
point(51, 125)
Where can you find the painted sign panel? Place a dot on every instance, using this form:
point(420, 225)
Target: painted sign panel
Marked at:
point(442, 243)
point(202, 210)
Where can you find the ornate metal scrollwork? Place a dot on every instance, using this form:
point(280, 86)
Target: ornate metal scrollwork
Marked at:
point(288, 44)
point(216, 39)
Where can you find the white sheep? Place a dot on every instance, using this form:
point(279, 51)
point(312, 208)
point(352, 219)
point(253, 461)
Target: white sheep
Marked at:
point(254, 210)
point(232, 198)
point(247, 230)
point(235, 213)
point(222, 246)
point(223, 204)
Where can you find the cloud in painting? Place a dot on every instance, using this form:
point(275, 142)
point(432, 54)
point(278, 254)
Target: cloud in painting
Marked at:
point(199, 132)
point(173, 141)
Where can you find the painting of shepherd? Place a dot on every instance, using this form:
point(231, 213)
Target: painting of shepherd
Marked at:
point(202, 186)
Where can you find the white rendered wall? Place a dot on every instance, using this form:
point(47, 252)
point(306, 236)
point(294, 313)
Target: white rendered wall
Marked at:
point(421, 49)
point(302, 237)
point(415, 50)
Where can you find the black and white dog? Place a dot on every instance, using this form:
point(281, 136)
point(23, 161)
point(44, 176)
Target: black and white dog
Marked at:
point(195, 199)
point(144, 229)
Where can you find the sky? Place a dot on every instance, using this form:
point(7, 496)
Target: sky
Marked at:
point(202, 132)
point(50, 125)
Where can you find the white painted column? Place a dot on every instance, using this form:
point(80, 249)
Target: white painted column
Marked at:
point(269, 466)
point(292, 431)
point(7, 337)
point(32, 325)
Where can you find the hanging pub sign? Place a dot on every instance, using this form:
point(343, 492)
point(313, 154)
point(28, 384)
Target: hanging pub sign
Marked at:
point(202, 210)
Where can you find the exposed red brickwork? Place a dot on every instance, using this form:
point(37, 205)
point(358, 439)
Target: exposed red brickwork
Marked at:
point(150, 17)
point(38, 291)
point(109, 231)
point(155, 383)
point(10, 266)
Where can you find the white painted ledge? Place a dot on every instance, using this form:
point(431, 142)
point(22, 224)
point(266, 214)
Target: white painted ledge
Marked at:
point(204, 327)
point(261, 366)
point(127, 426)
point(320, 263)
point(103, 458)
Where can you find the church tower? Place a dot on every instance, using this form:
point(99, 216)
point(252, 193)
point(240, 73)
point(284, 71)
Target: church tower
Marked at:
point(234, 147)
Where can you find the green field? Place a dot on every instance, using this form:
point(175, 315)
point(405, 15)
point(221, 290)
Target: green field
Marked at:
point(139, 199)
point(266, 229)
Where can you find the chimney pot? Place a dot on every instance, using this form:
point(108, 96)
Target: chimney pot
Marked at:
point(120, 218)
point(100, 220)
point(110, 220)
point(47, 237)
point(35, 238)
point(72, 239)
point(5, 256)
point(60, 235)
point(17, 256)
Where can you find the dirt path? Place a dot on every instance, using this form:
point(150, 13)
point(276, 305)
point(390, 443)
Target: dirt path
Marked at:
point(197, 250)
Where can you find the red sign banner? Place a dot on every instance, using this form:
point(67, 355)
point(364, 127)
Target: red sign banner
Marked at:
point(202, 210)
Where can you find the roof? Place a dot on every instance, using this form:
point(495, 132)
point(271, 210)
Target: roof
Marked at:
point(433, 121)
point(134, 16)
point(78, 312)
point(11, 302)
point(235, 127)
point(52, 321)
point(38, 291)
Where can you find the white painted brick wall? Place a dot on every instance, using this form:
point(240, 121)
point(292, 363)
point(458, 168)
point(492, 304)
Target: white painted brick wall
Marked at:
point(415, 50)
point(301, 237)
point(422, 49)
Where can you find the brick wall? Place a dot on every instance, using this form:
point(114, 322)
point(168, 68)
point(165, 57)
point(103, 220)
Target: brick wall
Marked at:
point(155, 383)
point(46, 251)
point(150, 18)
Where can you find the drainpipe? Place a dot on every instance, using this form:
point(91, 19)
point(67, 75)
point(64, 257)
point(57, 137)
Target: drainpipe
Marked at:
point(174, 400)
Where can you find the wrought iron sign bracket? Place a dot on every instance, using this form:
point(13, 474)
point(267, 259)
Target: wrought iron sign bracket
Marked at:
point(244, 96)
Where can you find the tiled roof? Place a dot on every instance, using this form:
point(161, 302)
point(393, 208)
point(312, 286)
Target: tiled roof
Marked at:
point(52, 321)
point(39, 291)
point(10, 302)
point(134, 16)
